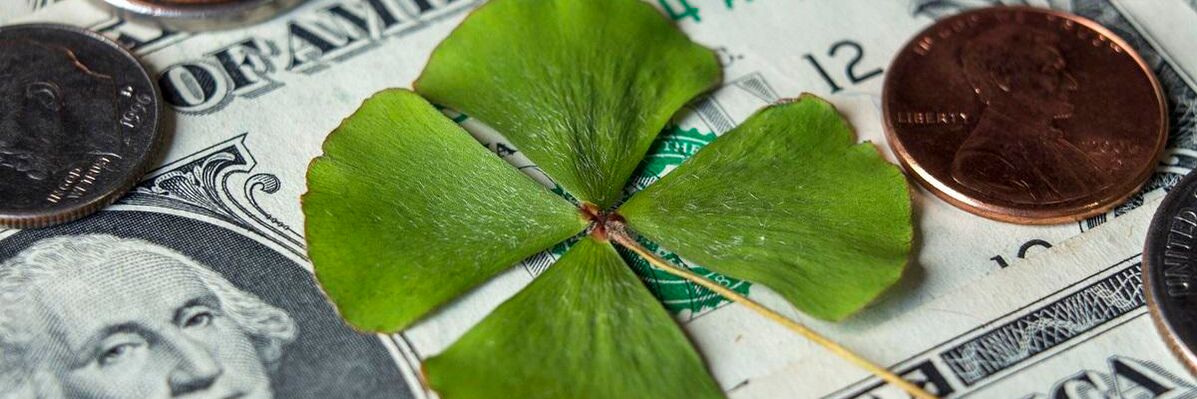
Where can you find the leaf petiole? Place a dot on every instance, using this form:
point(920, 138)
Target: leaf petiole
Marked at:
point(616, 230)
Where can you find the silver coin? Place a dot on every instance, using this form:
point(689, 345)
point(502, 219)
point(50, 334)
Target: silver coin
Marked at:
point(196, 15)
point(1170, 270)
point(79, 120)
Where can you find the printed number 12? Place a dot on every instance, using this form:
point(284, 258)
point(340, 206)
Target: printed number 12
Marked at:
point(850, 69)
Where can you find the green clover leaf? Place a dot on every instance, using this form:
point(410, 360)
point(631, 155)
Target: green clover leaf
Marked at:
point(581, 87)
point(586, 327)
point(405, 211)
point(786, 200)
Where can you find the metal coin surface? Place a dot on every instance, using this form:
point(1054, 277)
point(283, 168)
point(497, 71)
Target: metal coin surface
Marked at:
point(1024, 115)
point(198, 15)
point(78, 123)
point(1170, 270)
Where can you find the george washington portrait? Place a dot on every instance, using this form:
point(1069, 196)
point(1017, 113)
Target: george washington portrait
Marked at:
point(96, 316)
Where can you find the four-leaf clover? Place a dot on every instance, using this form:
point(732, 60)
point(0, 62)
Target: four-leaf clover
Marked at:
point(405, 211)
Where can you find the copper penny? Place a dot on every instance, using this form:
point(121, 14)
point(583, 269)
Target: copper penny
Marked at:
point(1024, 115)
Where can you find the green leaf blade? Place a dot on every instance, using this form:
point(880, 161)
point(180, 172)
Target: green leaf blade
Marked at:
point(581, 87)
point(586, 328)
point(787, 200)
point(406, 211)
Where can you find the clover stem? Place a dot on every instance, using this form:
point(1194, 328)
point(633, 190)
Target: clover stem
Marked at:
point(599, 220)
point(617, 231)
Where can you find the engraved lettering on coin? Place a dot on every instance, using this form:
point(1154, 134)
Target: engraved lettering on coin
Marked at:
point(932, 118)
point(78, 123)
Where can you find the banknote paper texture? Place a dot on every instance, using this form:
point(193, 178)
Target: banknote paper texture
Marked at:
point(249, 108)
point(13, 9)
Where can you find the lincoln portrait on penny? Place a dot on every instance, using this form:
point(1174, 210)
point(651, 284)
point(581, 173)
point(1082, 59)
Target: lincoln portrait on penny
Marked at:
point(56, 112)
point(1015, 150)
point(97, 316)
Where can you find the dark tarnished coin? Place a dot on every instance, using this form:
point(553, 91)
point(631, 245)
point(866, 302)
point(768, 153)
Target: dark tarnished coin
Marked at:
point(201, 14)
point(1170, 270)
point(1024, 115)
point(78, 123)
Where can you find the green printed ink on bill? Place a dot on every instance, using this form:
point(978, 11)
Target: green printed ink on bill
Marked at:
point(679, 296)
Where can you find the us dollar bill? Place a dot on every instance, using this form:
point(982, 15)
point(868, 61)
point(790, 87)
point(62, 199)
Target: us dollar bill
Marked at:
point(211, 237)
point(955, 249)
point(249, 108)
point(1072, 323)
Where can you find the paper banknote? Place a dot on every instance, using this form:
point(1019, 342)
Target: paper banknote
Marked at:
point(249, 108)
point(1072, 323)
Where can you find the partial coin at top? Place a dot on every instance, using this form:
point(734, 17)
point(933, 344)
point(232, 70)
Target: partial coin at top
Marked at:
point(78, 123)
point(197, 15)
point(1024, 115)
point(1170, 270)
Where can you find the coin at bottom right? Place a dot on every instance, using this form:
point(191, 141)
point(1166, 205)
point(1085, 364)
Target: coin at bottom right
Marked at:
point(1169, 262)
